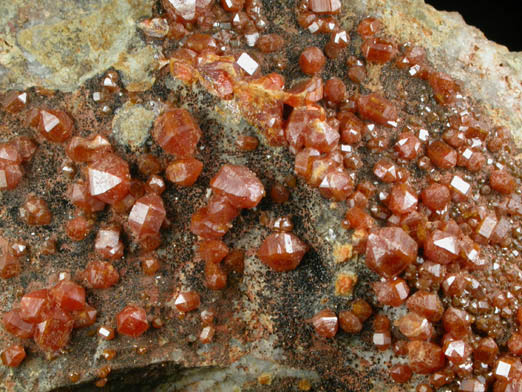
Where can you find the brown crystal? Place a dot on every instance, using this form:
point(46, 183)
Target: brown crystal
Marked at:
point(312, 60)
point(177, 132)
point(101, 274)
point(376, 108)
point(282, 251)
point(426, 304)
point(389, 251)
point(184, 172)
point(349, 322)
point(239, 185)
point(401, 373)
point(187, 301)
point(502, 181)
point(325, 323)
point(425, 357)
point(391, 292)
point(55, 125)
point(35, 211)
point(13, 356)
point(442, 155)
point(378, 50)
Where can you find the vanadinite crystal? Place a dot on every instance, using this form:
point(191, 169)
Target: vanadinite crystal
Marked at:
point(150, 265)
point(147, 215)
point(415, 327)
point(184, 172)
point(269, 43)
point(215, 276)
point(109, 178)
point(81, 149)
point(55, 125)
point(177, 132)
point(457, 322)
point(10, 175)
point(386, 170)
point(35, 305)
point(425, 357)
point(132, 321)
point(376, 108)
point(14, 101)
point(35, 211)
point(335, 90)
point(378, 50)
point(78, 228)
point(441, 247)
point(442, 155)
point(239, 185)
point(368, 27)
point(486, 350)
point(502, 181)
point(9, 263)
point(15, 325)
point(389, 251)
point(400, 373)
point(68, 295)
point(312, 60)
point(402, 199)
point(457, 351)
point(426, 304)
point(508, 368)
point(187, 301)
point(212, 251)
point(85, 317)
point(436, 196)
point(325, 6)
point(391, 292)
point(282, 251)
point(13, 356)
point(54, 332)
point(349, 322)
point(408, 146)
point(108, 244)
point(326, 323)
point(78, 194)
point(101, 274)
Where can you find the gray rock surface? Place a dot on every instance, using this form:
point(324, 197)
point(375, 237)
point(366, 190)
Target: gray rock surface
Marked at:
point(131, 124)
point(60, 44)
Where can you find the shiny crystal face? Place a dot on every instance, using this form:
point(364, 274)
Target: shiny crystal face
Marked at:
point(107, 243)
point(325, 6)
point(177, 133)
point(326, 323)
point(147, 215)
point(109, 179)
point(132, 321)
point(239, 185)
point(55, 125)
point(389, 251)
point(282, 251)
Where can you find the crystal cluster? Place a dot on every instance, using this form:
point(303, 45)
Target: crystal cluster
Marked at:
point(430, 195)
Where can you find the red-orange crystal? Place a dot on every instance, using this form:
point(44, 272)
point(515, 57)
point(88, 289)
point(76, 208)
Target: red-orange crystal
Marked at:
point(282, 251)
point(132, 321)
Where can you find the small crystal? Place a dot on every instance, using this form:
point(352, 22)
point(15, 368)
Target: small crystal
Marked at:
point(247, 63)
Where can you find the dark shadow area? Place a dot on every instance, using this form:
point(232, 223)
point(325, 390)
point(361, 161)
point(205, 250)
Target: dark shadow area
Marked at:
point(499, 21)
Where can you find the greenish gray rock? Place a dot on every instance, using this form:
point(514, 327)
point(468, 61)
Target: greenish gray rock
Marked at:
point(60, 44)
point(131, 124)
